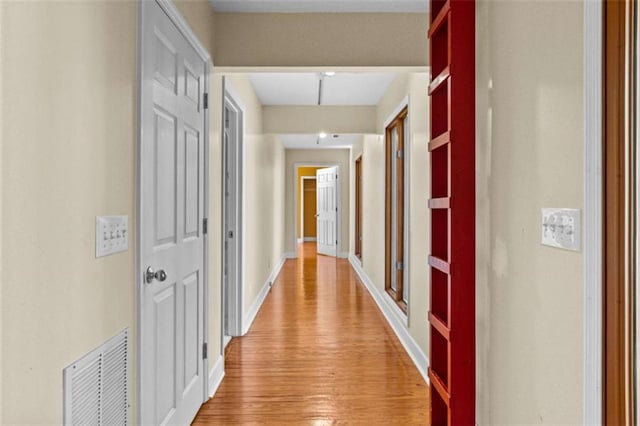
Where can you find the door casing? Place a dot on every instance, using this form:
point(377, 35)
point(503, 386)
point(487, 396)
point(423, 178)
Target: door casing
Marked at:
point(233, 297)
point(174, 15)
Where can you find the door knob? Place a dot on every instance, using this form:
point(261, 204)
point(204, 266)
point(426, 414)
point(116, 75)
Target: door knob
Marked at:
point(151, 275)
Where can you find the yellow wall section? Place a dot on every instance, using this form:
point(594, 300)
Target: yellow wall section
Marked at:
point(310, 206)
point(303, 171)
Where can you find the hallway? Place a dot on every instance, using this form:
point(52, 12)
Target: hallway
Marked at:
point(320, 352)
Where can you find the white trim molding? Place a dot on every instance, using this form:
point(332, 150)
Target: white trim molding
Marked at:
point(251, 314)
point(416, 354)
point(216, 375)
point(593, 14)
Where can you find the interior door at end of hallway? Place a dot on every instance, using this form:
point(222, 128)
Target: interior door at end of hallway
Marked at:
point(327, 211)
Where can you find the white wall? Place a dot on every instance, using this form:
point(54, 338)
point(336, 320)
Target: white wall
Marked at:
point(263, 174)
point(530, 151)
point(313, 157)
point(373, 169)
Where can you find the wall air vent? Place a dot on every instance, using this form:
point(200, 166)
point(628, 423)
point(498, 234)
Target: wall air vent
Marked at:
point(96, 387)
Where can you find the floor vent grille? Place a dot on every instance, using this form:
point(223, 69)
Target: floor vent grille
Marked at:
point(96, 387)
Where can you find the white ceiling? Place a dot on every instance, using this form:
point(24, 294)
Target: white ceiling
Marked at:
point(326, 6)
point(309, 141)
point(302, 88)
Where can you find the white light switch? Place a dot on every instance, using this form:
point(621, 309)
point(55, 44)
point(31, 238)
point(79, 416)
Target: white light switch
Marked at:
point(112, 235)
point(561, 228)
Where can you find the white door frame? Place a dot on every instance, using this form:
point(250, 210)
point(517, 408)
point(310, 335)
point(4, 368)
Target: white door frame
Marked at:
point(181, 24)
point(593, 204)
point(302, 179)
point(230, 98)
point(296, 166)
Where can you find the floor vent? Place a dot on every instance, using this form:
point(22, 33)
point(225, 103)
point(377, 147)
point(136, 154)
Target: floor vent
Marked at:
point(96, 387)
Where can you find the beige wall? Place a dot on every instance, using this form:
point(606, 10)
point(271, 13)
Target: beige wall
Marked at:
point(530, 155)
point(373, 169)
point(68, 155)
point(314, 119)
point(263, 173)
point(319, 39)
point(316, 157)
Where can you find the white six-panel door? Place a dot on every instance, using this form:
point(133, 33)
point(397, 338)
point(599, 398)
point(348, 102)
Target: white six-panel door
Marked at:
point(172, 238)
point(327, 210)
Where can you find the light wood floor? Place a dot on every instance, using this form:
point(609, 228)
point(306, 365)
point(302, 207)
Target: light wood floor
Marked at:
point(319, 353)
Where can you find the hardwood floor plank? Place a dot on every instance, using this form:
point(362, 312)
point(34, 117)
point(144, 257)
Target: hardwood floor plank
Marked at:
point(319, 353)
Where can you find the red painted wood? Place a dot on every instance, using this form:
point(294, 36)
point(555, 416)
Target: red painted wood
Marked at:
point(452, 260)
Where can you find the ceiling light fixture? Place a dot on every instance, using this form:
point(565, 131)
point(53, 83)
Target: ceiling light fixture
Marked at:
point(322, 135)
point(329, 73)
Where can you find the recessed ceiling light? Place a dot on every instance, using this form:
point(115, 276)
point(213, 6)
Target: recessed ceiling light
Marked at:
point(322, 135)
point(329, 73)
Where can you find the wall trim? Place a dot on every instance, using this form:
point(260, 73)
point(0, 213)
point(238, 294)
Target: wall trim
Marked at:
point(290, 255)
point(416, 354)
point(309, 239)
point(216, 375)
point(250, 315)
point(593, 203)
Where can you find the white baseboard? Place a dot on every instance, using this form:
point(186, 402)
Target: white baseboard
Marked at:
point(343, 255)
point(290, 255)
point(216, 375)
point(416, 354)
point(250, 315)
point(300, 240)
point(310, 239)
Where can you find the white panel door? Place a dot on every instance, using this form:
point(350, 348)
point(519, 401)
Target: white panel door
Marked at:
point(172, 206)
point(327, 210)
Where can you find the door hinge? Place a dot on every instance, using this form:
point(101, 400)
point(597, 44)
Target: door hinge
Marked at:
point(230, 234)
point(205, 225)
point(205, 101)
point(399, 266)
point(400, 153)
point(205, 348)
point(336, 209)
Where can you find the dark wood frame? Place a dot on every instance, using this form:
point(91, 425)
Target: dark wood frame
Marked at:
point(616, 328)
point(358, 202)
point(390, 156)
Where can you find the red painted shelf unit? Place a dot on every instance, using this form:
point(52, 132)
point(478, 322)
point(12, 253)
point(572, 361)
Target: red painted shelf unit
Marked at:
point(452, 203)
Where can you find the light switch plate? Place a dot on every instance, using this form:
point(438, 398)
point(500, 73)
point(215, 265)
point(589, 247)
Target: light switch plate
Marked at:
point(562, 228)
point(112, 235)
